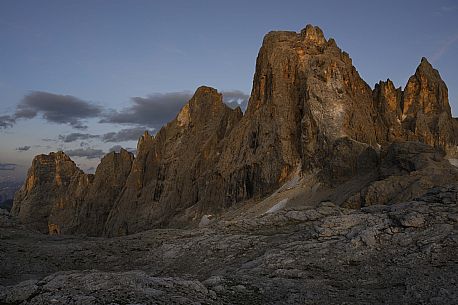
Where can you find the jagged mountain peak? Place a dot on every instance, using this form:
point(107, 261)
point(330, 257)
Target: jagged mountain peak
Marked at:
point(205, 104)
point(310, 114)
point(425, 92)
point(313, 34)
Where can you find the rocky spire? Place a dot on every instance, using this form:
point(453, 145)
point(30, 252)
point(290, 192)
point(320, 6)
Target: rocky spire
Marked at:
point(313, 34)
point(426, 110)
point(52, 189)
point(425, 92)
point(171, 178)
point(309, 113)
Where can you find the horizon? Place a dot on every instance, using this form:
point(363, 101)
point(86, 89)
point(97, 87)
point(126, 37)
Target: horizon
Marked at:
point(93, 92)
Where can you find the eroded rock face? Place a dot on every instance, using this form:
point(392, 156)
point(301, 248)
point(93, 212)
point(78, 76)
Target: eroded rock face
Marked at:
point(421, 112)
point(309, 113)
point(407, 171)
point(109, 180)
point(59, 198)
point(170, 176)
point(51, 193)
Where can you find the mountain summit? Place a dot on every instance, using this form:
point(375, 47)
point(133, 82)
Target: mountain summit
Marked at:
point(313, 127)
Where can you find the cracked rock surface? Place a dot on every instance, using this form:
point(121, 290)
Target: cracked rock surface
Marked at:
point(403, 253)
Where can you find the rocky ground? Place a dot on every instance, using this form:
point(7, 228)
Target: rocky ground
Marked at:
point(403, 253)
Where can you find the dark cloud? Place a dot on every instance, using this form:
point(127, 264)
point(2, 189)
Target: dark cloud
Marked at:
point(23, 148)
point(56, 108)
point(153, 111)
point(156, 110)
point(7, 166)
point(236, 98)
point(6, 121)
point(117, 148)
point(88, 153)
point(128, 134)
point(76, 136)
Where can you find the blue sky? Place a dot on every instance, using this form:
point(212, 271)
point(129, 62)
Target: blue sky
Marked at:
point(121, 56)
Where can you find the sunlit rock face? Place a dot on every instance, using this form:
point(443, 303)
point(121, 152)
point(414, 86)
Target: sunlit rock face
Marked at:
point(309, 114)
point(421, 112)
point(48, 200)
point(170, 178)
point(426, 110)
point(59, 198)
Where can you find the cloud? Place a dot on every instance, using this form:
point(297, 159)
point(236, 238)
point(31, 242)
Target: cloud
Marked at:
point(76, 136)
point(23, 148)
point(56, 108)
point(157, 109)
point(6, 121)
point(88, 153)
point(7, 166)
point(153, 111)
point(117, 148)
point(444, 48)
point(236, 98)
point(128, 134)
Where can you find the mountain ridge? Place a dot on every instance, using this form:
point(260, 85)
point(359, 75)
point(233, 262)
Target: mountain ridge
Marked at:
point(309, 114)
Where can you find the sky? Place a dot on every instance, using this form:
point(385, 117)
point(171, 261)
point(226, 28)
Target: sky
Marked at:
point(90, 76)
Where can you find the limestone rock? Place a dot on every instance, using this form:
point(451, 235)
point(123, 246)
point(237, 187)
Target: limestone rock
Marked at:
point(109, 180)
point(421, 112)
point(309, 115)
point(51, 193)
point(381, 254)
point(407, 170)
point(59, 198)
point(170, 176)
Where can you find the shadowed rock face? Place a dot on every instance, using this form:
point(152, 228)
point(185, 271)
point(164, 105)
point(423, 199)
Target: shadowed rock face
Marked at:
point(421, 112)
point(309, 113)
point(170, 176)
point(59, 198)
point(53, 190)
point(109, 180)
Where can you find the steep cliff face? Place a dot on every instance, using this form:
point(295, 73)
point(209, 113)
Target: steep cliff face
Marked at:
point(109, 180)
point(49, 199)
point(170, 175)
point(59, 198)
point(309, 114)
point(306, 95)
point(421, 112)
point(388, 103)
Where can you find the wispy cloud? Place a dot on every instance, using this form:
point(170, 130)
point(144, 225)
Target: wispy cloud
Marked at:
point(117, 148)
point(88, 153)
point(77, 136)
point(6, 121)
point(7, 166)
point(23, 148)
point(444, 48)
point(128, 134)
point(444, 10)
